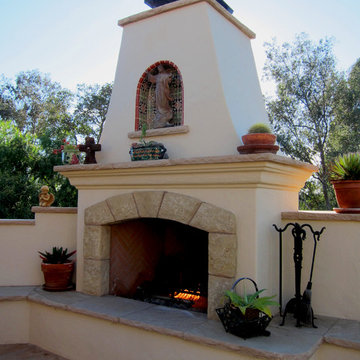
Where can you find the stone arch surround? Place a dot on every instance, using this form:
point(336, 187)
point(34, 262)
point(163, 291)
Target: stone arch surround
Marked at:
point(219, 223)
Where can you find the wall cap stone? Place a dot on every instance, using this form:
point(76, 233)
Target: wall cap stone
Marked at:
point(54, 210)
point(319, 216)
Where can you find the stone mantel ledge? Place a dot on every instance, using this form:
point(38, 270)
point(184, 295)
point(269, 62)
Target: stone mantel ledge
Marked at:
point(286, 342)
point(233, 171)
point(181, 3)
point(54, 210)
point(319, 216)
point(184, 129)
point(205, 160)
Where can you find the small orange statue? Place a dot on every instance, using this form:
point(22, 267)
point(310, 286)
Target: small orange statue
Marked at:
point(45, 198)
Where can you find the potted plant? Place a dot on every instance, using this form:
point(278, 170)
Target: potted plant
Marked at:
point(259, 139)
point(57, 269)
point(247, 315)
point(146, 150)
point(345, 178)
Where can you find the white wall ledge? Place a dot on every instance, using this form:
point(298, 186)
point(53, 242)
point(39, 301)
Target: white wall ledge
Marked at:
point(183, 129)
point(54, 210)
point(319, 216)
point(17, 222)
point(194, 327)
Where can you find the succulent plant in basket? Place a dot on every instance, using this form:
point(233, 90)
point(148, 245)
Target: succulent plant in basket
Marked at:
point(57, 269)
point(146, 150)
point(345, 178)
point(246, 315)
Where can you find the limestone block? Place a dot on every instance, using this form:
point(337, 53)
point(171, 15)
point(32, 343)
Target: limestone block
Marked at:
point(97, 242)
point(123, 207)
point(148, 203)
point(96, 277)
point(217, 286)
point(214, 219)
point(98, 214)
point(178, 207)
point(222, 255)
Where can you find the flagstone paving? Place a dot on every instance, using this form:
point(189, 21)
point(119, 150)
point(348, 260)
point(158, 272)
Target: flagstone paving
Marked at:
point(26, 352)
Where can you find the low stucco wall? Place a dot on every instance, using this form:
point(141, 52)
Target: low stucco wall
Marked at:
point(336, 290)
point(20, 240)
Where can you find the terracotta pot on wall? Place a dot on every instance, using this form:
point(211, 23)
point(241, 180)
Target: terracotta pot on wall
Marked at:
point(256, 143)
point(58, 276)
point(347, 195)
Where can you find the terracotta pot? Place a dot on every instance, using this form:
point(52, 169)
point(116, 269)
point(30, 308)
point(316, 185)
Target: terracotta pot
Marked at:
point(258, 143)
point(58, 276)
point(347, 195)
point(259, 138)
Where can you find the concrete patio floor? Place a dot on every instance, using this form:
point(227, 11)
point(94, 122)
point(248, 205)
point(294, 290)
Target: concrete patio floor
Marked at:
point(26, 352)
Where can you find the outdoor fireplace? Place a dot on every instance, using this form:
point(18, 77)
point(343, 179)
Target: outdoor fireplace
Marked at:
point(161, 262)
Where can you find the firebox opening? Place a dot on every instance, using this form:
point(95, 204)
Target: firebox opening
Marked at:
point(161, 262)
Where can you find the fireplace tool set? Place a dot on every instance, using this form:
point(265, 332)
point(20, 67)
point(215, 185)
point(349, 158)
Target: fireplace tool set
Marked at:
point(300, 305)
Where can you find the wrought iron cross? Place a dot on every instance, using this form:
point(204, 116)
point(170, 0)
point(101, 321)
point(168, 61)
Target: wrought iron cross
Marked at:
point(89, 148)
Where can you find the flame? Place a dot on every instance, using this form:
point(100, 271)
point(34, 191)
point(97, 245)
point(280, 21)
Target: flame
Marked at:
point(187, 295)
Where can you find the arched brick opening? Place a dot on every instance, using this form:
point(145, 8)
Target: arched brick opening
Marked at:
point(145, 92)
point(217, 222)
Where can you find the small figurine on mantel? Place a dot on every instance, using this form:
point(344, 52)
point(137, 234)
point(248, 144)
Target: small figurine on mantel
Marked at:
point(89, 148)
point(45, 198)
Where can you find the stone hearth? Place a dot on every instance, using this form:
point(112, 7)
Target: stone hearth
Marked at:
point(217, 222)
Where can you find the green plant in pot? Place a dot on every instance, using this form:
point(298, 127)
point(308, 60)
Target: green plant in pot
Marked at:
point(146, 150)
point(250, 305)
point(246, 315)
point(259, 139)
point(57, 269)
point(345, 178)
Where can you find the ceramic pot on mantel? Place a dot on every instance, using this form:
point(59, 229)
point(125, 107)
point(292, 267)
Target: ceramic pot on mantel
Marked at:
point(256, 143)
point(347, 195)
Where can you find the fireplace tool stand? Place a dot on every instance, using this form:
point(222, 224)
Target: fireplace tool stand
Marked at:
point(300, 305)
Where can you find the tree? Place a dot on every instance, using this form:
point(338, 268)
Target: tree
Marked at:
point(345, 136)
point(26, 163)
point(304, 107)
point(18, 154)
point(92, 106)
point(36, 104)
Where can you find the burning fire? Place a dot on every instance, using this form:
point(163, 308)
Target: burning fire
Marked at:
point(187, 295)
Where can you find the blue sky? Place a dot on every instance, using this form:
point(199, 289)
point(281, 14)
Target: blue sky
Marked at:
point(77, 41)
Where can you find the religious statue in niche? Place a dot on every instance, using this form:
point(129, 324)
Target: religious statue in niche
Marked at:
point(159, 101)
point(164, 111)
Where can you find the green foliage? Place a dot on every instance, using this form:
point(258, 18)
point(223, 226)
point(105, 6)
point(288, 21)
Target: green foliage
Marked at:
point(35, 115)
point(252, 301)
point(346, 167)
point(345, 135)
point(57, 256)
point(304, 109)
point(92, 106)
point(36, 104)
point(259, 128)
point(19, 188)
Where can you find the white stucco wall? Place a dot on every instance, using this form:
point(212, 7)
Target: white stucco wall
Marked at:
point(19, 244)
point(336, 273)
point(222, 96)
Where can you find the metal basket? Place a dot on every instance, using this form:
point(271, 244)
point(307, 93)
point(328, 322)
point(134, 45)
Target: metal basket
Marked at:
point(150, 152)
point(237, 324)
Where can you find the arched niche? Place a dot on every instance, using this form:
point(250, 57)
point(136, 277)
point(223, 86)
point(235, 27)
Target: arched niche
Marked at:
point(146, 111)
